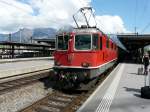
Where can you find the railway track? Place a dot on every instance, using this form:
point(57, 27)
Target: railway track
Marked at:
point(56, 101)
point(22, 80)
point(63, 101)
point(59, 101)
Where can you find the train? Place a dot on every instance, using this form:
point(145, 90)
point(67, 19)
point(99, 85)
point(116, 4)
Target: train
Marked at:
point(83, 54)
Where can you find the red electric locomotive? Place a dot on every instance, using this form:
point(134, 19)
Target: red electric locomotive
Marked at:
point(83, 54)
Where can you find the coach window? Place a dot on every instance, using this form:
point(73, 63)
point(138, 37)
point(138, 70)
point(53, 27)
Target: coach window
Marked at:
point(114, 46)
point(100, 43)
point(111, 45)
point(107, 43)
point(95, 41)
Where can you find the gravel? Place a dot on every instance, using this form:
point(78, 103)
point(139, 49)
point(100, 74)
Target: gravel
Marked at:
point(20, 98)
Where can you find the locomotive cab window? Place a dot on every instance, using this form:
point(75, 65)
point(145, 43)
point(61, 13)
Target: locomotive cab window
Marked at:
point(83, 42)
point(62, 42)
point(95, 42)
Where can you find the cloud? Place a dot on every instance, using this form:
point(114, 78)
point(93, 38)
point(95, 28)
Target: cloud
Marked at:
point(110, 24)
point(12, 14)
point(15, 14)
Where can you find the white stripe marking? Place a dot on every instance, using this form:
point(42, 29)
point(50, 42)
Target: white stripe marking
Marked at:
point(110, 93)
point(98, 89)
point(62, 66)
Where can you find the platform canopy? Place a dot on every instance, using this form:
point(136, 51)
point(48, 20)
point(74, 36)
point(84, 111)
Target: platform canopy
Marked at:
point(115, 39)
point(134, 41)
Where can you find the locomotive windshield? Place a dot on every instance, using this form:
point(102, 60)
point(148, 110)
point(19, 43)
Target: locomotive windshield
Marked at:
point(62, 42)
point(83, 42)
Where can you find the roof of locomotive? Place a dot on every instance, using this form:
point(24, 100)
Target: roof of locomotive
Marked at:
point(115, 39)
point(86, 30)
point(80, 30)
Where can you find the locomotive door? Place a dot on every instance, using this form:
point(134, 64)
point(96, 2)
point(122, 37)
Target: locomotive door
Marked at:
point(98, 41)
point(104, 50)
point(100, 48)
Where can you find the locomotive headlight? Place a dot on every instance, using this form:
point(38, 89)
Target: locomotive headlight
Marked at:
point(85, 64)
point(57, 63)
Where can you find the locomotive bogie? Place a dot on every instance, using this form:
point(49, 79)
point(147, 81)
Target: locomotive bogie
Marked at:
point(78, 75)
point(74, 77)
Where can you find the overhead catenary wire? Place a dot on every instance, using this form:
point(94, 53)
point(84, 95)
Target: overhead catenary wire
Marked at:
point(12, 5)
point(135, 16)
point(145, 6)
point(144, 10)
point(145, 27)
point(143, 13)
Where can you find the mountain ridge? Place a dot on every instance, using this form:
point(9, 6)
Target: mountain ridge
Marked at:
point(25, 35)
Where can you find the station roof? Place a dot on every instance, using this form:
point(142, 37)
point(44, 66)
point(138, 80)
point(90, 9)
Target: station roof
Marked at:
point(45, 40)
point(134, 41)
point(22, 44)
point(117, 41)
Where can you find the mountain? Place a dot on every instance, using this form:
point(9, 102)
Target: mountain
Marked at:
point(25, 35)
point(44, 33)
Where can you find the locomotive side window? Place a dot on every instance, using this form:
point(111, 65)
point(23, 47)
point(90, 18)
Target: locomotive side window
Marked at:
point(114, 47)
point(101, 43)
point(107, 43)
point(62, 42)
point(111, 45)
point(95, 42)
point(83, 42)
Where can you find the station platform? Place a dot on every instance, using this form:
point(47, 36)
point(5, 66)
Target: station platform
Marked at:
point(120, 92)
point(22, 67)
point(24, 59)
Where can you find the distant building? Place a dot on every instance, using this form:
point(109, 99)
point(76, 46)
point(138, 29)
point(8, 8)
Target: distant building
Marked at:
point(50, 42)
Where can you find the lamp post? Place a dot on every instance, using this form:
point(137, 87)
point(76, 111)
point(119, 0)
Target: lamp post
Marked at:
point(9, 37)
point(20, 35)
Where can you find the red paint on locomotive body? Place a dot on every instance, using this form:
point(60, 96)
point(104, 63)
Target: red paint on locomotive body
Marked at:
point(83, 54)
point(84, 48)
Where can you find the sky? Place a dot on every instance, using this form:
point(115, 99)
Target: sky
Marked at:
point(133, 13)
point(112, 16)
